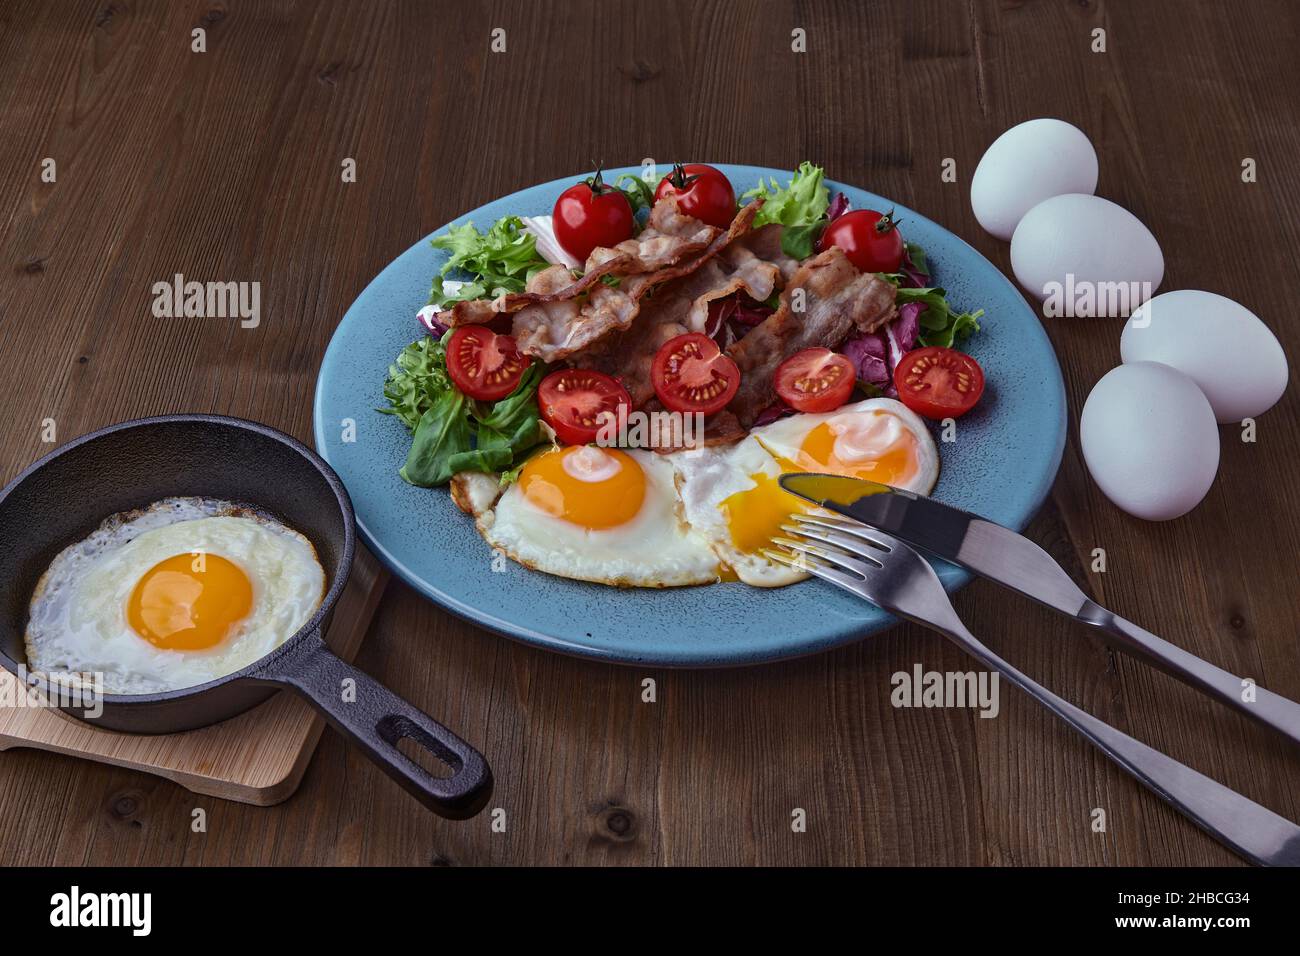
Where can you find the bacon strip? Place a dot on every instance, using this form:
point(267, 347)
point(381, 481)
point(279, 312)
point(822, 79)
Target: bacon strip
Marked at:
point(836, 299)
point(682, 305)
point(669, 237)
point(553, 329)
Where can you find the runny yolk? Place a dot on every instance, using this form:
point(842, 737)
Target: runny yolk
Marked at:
point(754, 516)
point(189, 602)
point(594, 488)
point(873, 447)
point(892, 461)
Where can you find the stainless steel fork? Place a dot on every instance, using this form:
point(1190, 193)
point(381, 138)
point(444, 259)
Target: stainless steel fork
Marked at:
point(889, 573)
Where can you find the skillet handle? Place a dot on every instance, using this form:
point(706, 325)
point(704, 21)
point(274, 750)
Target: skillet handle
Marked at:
point(375, 719)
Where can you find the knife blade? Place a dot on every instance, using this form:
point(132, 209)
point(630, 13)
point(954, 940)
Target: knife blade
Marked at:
point(968, 540)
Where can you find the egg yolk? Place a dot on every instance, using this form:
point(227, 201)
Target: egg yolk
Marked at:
point(189, 602)
point(871, 447)
point(875, 447)
point(754, 516)
point(594, 488)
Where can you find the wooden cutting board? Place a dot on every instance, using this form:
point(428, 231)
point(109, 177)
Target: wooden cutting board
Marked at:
point(258, 757)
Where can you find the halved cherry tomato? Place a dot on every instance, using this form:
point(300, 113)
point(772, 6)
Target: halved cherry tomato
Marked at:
point(690, 374)
point(483, 364)
point(702, 191)
point(939, 383)
point(869, 239)
point(815, 380)
point(590, 214)
point(577, 401)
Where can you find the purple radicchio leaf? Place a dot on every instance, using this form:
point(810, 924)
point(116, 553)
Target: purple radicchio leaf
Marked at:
point(917, 276)
point(838, 207)
point(732, 317)
point(777, 409)
point(869, 354)
point(431, 319)
point(903, 332)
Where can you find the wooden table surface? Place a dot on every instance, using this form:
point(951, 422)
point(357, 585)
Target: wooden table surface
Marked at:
point(225, 165)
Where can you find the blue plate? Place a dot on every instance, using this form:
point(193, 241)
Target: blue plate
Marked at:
point(1001, 465)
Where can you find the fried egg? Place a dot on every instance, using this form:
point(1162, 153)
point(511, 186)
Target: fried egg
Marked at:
point(176, 594)
point(731, 496)
point(607, 515)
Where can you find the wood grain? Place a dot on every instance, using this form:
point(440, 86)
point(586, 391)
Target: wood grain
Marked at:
point(226, 165)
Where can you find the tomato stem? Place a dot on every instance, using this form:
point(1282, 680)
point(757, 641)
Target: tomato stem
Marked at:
point(887, 223)
point(678, 176)
point(597, 185)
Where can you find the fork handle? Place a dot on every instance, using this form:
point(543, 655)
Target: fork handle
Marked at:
point(1270, 709)
point(1252, 830)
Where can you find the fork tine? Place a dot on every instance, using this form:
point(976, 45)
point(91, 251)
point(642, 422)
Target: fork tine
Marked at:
point(846, 525)
point(813, 565)
point(831, 555)
point(853, 544)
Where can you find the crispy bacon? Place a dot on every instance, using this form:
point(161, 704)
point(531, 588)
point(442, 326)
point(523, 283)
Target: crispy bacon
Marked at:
point(669, 237)
point(558, 316)
point(682, 305)
point(555, 329)
point(836, 299)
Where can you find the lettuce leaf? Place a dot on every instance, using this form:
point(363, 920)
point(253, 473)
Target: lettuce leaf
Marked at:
point(500, 260)
point(800, 206)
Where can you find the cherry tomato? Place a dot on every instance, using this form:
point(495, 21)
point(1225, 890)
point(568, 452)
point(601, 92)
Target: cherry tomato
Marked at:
point(575, 402)
point(690, 374)
point(939, 383)
point(702, 191)
point(869, 239)
point(590, 214)
point(815, 380)
point(483, 364)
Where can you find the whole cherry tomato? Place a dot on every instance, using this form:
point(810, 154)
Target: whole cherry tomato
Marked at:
point(702, 191)
point(868, 238)
point(590, 214)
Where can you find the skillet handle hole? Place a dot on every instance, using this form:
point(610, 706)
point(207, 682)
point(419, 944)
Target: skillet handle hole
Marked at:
point(418, 746)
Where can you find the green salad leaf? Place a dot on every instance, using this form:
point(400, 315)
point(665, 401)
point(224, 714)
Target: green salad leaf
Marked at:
point(640, 194)
point(512, 423)
point(455, 434)
point(501, 260)
point(940, 324)
point(800, 206)
point(441, 438)
point(416, 380)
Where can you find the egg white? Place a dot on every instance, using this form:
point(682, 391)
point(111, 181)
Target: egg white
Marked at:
point(655, 548)
point(78, 622)
point(708, 477)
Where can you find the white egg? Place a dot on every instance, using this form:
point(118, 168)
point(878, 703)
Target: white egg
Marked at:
point(177, 594)
point(1149, 439)
point(606, 515)
point(1033, 161)
point(732, 497)
point(1086, 256)
point(1221, 345)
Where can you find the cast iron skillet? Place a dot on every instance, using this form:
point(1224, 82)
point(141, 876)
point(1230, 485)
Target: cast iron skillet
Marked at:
point(65, 495)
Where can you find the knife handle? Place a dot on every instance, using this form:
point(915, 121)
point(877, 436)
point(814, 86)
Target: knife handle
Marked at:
point(1270, 709)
